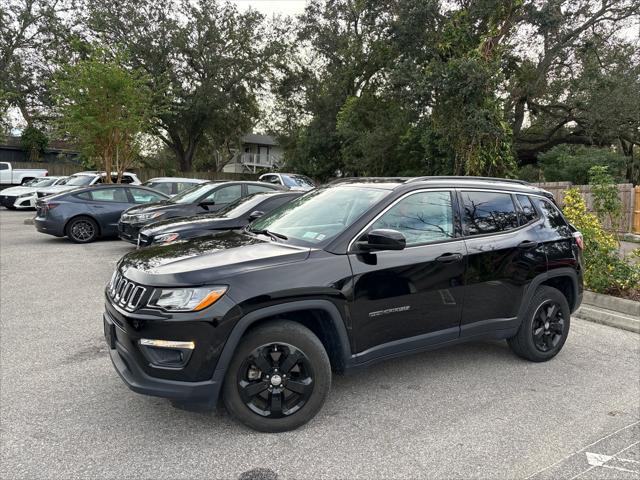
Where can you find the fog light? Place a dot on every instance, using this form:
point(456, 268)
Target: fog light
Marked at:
point(167, 344)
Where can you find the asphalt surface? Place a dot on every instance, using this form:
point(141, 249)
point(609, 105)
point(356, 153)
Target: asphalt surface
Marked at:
point(470, 411)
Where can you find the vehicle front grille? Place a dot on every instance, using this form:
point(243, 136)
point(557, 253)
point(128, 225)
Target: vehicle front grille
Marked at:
point(7, 200)
point(124, 292)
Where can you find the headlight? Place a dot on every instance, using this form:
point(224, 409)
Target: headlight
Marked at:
point(185, 299)
point(142, 217)
point(166, 237)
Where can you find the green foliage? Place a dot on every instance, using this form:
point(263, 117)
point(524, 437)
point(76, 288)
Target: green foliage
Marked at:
point(606, 202)
point(34, 141)
point(571, 163)
point(104, 108)
point(530, 173)
point(605, 271)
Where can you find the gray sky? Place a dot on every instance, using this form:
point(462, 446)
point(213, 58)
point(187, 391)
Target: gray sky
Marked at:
point(269, 7)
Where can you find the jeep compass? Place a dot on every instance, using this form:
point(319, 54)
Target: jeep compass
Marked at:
point(346, 275)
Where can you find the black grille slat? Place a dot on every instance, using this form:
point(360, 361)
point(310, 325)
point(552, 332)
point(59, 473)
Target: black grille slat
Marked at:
point(125, 293)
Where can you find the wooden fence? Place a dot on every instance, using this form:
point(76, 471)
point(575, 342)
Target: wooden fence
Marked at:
point(64, 169)
point(629, 197)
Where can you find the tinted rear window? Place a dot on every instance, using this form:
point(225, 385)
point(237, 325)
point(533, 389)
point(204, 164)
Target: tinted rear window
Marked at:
point(488, 212)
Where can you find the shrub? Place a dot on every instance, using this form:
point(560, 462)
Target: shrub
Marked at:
point(571, 163)
point(604, 270)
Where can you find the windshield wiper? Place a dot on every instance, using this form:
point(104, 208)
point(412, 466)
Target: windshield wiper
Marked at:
point(273, 235)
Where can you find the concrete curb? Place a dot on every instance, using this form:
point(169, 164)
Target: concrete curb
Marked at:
point(612, 311)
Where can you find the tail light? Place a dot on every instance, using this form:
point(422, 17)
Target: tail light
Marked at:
point(579, 240)
point(46, 206)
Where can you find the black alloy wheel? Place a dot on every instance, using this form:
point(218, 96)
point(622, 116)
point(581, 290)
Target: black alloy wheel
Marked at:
point(276, 380)
point(544, 326)
point(548, 326)
point(279, 377)
point(82, 230)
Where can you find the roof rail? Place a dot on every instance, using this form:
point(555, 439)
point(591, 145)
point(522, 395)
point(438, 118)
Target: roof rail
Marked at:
point(370, 179)
point(461, 177)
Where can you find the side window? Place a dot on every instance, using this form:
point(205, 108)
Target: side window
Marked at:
point(105, 195)
point(421, 217)
point(144, 196)
point(164, 187)
point(127, 179)
point(225, 195)
point(529, 212)
point(271, 179)
point(488, 212)
point(4, 166)
point(553, 217)
point(258, 189)
point(273, 203)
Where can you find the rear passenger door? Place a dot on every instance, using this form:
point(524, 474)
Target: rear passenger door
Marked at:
point(106, 205)
point(504, 255)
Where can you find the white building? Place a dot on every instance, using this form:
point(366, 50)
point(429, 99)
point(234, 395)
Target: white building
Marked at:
point(258, 152)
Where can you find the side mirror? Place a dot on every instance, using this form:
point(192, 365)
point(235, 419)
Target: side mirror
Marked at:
point(255, 215)
point(383, 239)
point(207, 203)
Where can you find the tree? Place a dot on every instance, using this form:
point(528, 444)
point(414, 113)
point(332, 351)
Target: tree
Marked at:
point(104, 108)
point(206, 63)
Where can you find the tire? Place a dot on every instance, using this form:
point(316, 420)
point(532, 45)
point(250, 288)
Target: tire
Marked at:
point(545, 326)
point(82, 230)
point(257, 377)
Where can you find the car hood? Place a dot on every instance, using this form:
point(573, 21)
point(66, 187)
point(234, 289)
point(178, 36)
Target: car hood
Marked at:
point(206, 260)
point(14, 191)
point(58, 188)
point(152, 207)
point(181, 224)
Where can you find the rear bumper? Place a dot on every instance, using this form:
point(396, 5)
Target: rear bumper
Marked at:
point(50, 227)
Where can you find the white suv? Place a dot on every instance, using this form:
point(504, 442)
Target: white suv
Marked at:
point(291, 181)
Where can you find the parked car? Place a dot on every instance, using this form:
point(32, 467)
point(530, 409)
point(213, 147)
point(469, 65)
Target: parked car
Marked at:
point(339, 278)
point(86, 214)
point(292, 181)
point(204, 198)
point(25, 196)
point(235, 216)
point(19, 176)
point(172, 185)
point(85, 179)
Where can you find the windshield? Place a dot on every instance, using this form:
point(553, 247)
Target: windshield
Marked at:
point(320, 215)
point(241, 207)
point(193, 194)
point(77, 180)
point(297, 181)
point(40, 182)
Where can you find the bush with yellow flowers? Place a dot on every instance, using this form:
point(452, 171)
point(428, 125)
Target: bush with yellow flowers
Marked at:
point(604, 270)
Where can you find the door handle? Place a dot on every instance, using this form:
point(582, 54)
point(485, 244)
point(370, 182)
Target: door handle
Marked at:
point(449, 258)
point(527, 244)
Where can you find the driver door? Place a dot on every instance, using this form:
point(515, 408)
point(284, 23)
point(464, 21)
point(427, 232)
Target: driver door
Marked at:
point(412, 295)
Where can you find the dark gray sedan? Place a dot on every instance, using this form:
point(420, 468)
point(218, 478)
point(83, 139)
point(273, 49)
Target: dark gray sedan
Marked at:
point(85, 214)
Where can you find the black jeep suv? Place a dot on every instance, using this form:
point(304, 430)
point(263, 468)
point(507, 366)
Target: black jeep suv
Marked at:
point(348, 274)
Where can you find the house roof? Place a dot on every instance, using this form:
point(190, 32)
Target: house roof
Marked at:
point(258, 139)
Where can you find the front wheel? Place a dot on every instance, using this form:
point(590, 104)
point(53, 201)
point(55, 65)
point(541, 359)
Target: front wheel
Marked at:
point(279, 377)
point(545, 326)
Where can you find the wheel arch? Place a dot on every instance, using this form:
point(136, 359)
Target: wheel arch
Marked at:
point(322, 317)
point(563, 279)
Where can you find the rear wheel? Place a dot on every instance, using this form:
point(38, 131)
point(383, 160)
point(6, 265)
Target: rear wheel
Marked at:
point(82, 230)
point(279, 377)
point(545, 326)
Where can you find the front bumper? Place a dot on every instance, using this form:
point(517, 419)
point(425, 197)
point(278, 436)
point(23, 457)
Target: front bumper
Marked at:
point(204, 392)
point(129, 231)
point(7, 200)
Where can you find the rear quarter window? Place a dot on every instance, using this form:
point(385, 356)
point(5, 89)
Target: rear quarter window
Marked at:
point(553, 218)
point(528, 212)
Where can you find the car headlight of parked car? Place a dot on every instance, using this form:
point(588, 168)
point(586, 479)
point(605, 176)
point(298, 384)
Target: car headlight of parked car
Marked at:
point(166, 237)
point(186, 299)
point(143, 217)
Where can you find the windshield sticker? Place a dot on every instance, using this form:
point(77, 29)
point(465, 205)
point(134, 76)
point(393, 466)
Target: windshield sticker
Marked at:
point(310, 235)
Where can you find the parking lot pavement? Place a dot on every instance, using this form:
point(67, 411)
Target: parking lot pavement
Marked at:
point(470, 411)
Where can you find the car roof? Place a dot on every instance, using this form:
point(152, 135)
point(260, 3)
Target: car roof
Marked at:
point(409, 183)
point(177, 179)
point(96, 172)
